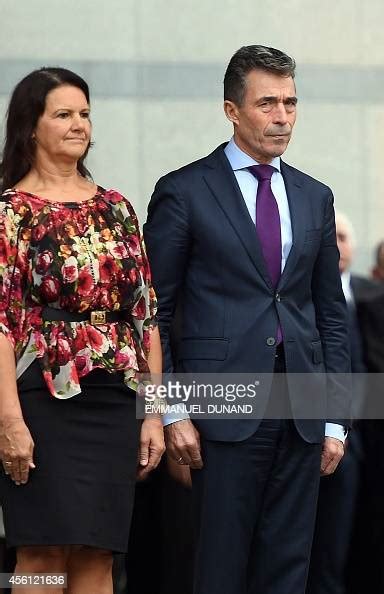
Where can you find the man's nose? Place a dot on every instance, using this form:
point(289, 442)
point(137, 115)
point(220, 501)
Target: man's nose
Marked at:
point(280, 115)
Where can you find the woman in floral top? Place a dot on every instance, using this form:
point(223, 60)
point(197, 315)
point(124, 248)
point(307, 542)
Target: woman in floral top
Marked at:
point(78, 330)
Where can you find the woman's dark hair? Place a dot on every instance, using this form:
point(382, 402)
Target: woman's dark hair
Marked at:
point(27, 104)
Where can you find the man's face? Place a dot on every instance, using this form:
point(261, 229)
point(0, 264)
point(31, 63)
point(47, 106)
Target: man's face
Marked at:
point(263, 124)
point(378, 270)
point(345, 245)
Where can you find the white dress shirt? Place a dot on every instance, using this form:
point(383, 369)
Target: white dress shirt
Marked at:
point(248, 184)
point(346, 285)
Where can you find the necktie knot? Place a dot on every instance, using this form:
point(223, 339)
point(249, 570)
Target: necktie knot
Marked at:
point(262, 172)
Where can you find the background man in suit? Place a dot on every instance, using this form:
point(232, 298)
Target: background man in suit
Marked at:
point(369, 564)
point(378, 269)
point(247, 245)
point(338, 497)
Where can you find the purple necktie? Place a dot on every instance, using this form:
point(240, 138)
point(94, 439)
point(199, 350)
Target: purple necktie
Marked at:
point(268, 224)
point(268, 221)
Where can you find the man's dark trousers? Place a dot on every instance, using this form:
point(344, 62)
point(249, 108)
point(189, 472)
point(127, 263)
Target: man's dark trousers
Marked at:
point(240, 489)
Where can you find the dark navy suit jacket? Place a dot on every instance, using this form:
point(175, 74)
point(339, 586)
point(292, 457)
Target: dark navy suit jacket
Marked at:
point(205, 255)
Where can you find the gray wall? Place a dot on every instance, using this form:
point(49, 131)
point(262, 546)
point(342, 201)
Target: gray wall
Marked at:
point(155, 68)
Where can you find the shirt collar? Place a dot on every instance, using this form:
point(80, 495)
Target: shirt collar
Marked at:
point(240, 160)
point(346, 285)
point(346, 277)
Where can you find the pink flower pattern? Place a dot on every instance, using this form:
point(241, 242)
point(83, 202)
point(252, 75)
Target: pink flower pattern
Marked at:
point(77, 257)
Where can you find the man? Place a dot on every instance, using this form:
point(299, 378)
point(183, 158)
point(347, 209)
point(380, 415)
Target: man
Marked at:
point(246, 246)
point(378, 269)
point(370, 307)
point(337, 516)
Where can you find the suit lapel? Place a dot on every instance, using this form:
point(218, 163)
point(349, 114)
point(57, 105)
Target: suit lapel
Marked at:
point(224, 187)
point(297, 201)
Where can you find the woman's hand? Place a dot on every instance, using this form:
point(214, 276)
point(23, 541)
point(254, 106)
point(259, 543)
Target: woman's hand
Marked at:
point(16, 449)
point(152, 446)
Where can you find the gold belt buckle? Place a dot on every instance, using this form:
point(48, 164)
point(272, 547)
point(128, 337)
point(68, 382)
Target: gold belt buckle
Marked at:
point(98, 318)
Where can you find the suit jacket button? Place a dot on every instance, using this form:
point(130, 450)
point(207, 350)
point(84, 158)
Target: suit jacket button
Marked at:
point(277, 297)
point(271, 341)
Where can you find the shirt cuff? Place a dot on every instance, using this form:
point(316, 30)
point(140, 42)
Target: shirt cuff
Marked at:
point(335, 430)
point(175, 413)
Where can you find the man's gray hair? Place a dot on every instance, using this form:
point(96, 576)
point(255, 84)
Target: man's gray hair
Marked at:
point(343, 220)
point(254, 57)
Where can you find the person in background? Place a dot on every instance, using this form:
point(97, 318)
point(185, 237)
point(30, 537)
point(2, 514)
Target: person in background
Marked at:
point(338, 495)
point(378, 269)
point(368, 574)
point(77, 333)
point(163, 506)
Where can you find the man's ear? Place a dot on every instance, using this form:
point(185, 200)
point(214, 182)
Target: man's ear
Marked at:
point(231, 111)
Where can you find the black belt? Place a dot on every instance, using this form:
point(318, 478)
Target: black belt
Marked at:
point(96, 317)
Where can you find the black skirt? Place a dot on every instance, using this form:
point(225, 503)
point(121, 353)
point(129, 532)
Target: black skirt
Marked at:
point(82, 489)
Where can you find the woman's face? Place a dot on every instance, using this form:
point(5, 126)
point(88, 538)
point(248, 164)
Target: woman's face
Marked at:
point(63, 132)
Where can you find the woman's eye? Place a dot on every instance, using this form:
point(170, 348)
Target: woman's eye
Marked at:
point(62, 115)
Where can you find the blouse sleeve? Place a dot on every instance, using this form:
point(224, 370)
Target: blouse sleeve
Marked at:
point(145, 303)
point(14, 271)
point(145, 308)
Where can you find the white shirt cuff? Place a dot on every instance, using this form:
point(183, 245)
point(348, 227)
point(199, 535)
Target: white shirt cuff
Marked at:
point(335, 430)
point(175, 413)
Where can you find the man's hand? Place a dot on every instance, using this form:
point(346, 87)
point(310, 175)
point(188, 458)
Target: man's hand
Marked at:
point(333, 451)
point(183, 443)
point(151, 446)
point(179, 473)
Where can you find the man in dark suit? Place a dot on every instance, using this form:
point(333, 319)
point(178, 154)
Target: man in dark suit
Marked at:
point(246, 246)
point(369, 562)
point(335, 552)
point(378, 269)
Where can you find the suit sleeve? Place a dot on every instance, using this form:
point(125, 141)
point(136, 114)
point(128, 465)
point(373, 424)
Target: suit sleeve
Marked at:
point(332, 321)
point(167, 238)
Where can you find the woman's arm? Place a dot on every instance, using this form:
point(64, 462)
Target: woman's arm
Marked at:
point(155, 359)
point(144, 319)
point(9, 400)
point(152, 444)
point(16, 443)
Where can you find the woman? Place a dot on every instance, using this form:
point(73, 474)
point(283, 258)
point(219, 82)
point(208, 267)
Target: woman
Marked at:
point(78, 310)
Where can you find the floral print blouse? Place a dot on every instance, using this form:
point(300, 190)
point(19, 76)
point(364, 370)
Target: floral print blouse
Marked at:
point(75, 256)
